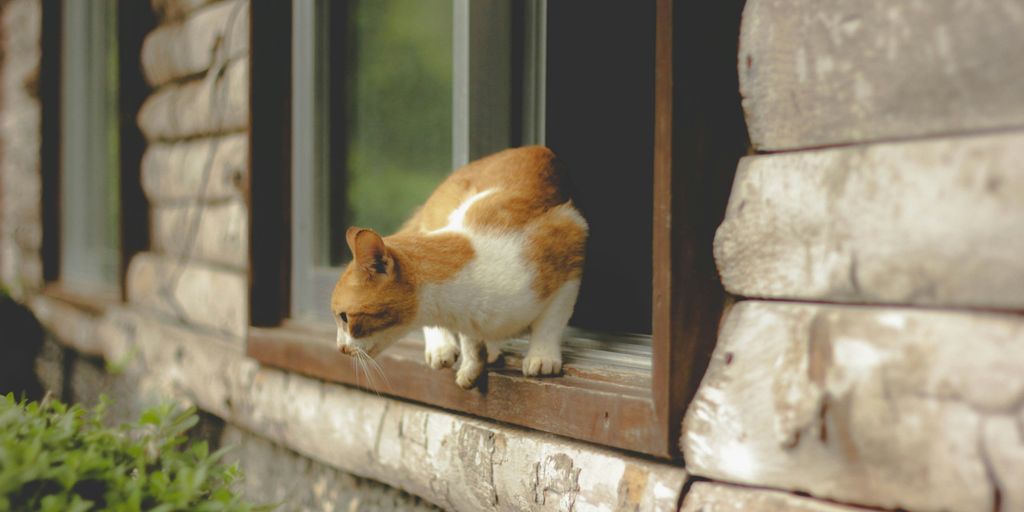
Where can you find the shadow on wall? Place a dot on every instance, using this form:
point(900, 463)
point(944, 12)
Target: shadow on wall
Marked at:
point(21, 339)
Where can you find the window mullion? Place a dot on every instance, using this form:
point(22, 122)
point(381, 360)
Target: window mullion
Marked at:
point(310, 145)
point(481, 69)
point(535, 36)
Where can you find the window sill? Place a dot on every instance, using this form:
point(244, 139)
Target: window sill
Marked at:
point(592, 401)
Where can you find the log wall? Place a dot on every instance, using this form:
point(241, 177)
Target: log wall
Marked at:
point(884, 222)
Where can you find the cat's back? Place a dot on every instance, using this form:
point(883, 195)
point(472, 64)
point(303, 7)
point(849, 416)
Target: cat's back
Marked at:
point(506, 190)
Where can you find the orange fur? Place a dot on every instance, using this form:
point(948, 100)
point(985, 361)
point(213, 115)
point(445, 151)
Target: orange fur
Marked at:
point(556, 248)
point(378, 290)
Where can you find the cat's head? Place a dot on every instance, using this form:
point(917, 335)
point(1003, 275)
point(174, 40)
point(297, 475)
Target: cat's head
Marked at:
point(372, 304)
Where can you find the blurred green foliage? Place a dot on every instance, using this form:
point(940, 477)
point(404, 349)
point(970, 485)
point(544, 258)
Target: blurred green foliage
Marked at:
point(399, 108)
point(59, 458)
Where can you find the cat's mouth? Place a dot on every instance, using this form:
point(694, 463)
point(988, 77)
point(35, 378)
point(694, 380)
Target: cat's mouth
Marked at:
point(353, 351)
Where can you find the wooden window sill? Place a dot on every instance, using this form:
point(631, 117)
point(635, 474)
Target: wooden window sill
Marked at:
point(592, 401)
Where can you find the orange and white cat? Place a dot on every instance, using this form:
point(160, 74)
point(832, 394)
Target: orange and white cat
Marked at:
point(496, 251)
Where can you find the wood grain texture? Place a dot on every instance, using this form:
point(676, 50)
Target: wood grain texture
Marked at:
point(215, 104)
point(189, 47)
point(193, 293)
point(454, 461)
point(937, 223)
point(588, 403)
point(827, 72)
point(699, 137)
point(212, 169)
point(886, 407)
point(717, 497)
point(209, 233)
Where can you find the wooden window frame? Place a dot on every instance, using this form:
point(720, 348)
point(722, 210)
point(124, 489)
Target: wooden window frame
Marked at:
point(699, 136)
point(134, 20)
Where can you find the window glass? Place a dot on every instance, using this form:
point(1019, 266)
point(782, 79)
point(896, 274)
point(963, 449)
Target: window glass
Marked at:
point(89, 145)
point(397, 121)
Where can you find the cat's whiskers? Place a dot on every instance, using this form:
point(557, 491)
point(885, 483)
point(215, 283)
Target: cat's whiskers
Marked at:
point(362, 357)
point(380, 371)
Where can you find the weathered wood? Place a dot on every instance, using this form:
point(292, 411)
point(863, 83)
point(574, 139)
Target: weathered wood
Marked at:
point(209, 233)
point(937, 222)
point(275, 474)
point(826, 72)
point(716, 497)
point(613, 409)
point(177, 50)
point(1003, 446)
point(175, 172)
point(457, 462)
point(193, 293)
point(73, 326)
point(875, 406)
point(207, 106)
point(171, 10)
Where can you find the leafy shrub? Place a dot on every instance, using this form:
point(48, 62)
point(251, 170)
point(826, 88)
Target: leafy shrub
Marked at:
point(59, 458)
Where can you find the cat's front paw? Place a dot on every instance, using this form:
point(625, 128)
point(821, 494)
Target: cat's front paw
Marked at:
point(441, 355)
point(468, 374)
point(534, 365)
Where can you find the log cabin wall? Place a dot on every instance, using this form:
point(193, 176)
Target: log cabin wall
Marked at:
point(876, 355)
point(180, 331)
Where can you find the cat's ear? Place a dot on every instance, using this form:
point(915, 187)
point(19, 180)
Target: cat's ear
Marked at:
point(369, 250)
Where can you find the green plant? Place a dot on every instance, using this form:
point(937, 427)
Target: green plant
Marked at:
point(59, 458)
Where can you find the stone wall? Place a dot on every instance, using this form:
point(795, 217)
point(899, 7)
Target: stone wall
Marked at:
point(886, 229)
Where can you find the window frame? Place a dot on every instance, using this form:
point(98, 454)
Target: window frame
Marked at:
point(133, 21)
point(635, 411)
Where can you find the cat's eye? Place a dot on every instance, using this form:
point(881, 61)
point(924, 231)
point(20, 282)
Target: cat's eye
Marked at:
point(343, 316)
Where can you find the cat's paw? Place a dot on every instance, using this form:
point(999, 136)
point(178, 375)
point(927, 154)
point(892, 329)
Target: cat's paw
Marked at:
point(468, 374)
point(441, 355)
point(534, 365)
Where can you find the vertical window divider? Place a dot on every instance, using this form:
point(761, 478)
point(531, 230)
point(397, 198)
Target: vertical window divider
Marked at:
point(535, 41)
point(310, 138)
point(481, 76)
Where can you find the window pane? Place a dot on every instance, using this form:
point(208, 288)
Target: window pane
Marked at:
point(396, 128)
point(89, 145)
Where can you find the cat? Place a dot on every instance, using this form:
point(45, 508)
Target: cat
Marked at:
point(497, 250)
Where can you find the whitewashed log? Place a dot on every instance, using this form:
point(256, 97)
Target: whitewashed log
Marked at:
point(827, 72)
point(193, 293)
point(456, 462)
point(874, 406)
point(171, 10)
point(1004, 449)
point(275, 474)
point(938, 223)
point(213, 168)
point(716, 497)
point(214, 233)
point(71, 325)
point(206, 106)
point(189, 47)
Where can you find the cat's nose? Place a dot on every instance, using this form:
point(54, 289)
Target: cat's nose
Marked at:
point(345, 349)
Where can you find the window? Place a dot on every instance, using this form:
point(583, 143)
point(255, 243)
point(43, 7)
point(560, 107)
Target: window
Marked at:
point(91, 148)
point(593, 82)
